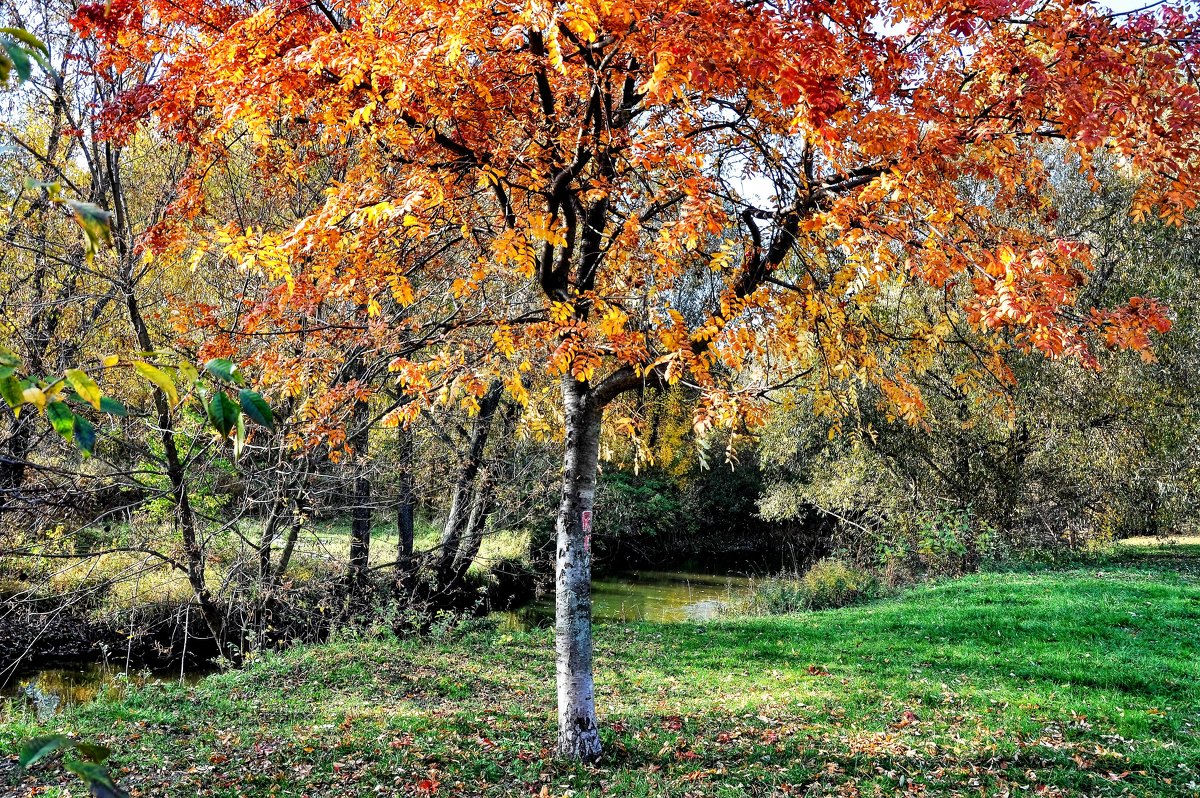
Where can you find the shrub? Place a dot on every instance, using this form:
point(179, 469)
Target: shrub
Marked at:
point(941, 542)
point(829, 583)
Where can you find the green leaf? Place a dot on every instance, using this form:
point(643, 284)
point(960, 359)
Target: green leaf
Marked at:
point(99, 783)
point(62, 419)
point(223, 413)
point(85, 386)
point(159, 378)
point(239, 437)
point(34, 48)
point(11, 391)
point(18, 56)
point(52, 189)
point(112, 407)
point(27, 37)
point(107, 791)
point(85, 438)
point(9, 358)
point(254, 406)
point(17, 47)
point(93, 752)
point(41, 747)
point(96, 224)
point(224, 369)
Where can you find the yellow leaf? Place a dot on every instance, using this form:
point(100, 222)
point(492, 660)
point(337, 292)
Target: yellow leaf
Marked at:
point(35, 396)
point(159, 378)
point(85, 386)
point(554, 50)
point(401, 290)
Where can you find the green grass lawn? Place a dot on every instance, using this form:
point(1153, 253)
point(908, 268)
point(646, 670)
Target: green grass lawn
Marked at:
point(1080, 682)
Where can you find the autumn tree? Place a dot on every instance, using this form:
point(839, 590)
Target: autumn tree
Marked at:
point(733, 195)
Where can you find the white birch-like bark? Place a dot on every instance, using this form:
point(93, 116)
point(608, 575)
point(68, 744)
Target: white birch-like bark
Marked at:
point(578, 735)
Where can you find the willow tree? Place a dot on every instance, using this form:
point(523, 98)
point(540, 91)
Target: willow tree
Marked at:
point(735, 195)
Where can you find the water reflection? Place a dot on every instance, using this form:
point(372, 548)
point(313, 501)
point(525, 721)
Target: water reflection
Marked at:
point(49, 690)
point(656, 596)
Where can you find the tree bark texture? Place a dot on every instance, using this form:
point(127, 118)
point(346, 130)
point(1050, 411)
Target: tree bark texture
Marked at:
point(406, 501)
point(360, 500)
point(460, 500)
point(578, 735)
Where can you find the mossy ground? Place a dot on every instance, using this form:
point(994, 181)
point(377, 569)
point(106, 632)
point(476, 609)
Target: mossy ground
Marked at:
point(1080, 682)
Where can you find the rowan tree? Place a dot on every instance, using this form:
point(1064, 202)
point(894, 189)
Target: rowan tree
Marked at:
point(733, 195)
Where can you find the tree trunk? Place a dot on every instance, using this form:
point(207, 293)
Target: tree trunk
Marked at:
point(578, 735)
point(107, 179)
point(265, 541)
point(40, 330)
point(485, 493)
point(360, 495)
point(184, 515)
point(481, 508)
point(460, 500)
point(406, 499)
point(13, 460)
point(289, 544)
point(360, 527)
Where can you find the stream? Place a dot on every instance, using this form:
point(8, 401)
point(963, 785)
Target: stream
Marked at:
point(48, 690)
point(654, 596)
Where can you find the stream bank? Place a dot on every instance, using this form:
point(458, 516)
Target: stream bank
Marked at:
point(86, 669)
